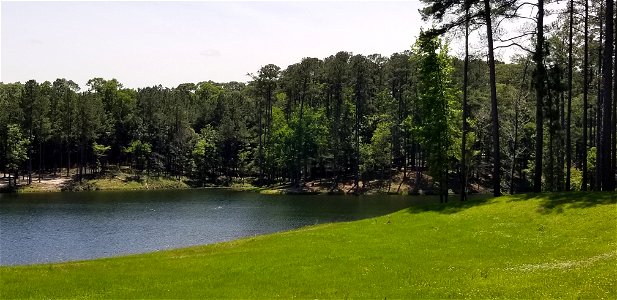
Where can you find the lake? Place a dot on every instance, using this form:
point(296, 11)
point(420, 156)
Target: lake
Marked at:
point(55, 227)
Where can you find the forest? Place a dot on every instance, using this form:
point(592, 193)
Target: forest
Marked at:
point(541, 121)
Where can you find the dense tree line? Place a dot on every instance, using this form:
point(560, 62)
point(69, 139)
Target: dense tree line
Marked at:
point(545, 121)
point(561, 62)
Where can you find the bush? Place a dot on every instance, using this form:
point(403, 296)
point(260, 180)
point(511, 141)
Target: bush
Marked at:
point(576, 179)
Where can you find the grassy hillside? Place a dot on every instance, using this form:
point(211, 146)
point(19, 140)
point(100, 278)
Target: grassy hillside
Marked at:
point(547, 246)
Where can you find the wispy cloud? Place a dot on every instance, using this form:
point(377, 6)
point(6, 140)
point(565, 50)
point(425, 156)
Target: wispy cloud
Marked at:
point(210, 53)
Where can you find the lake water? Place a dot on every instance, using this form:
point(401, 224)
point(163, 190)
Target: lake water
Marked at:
point(54, 227)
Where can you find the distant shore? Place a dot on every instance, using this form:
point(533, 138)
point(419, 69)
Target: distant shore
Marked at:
point(128, 182)
point(58, 183)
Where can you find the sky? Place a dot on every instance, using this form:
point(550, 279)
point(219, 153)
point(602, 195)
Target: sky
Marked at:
point(149, 43)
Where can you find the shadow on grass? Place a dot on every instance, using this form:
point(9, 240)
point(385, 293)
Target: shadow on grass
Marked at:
point(557, 202)
point(549, 202)
point(454, 205)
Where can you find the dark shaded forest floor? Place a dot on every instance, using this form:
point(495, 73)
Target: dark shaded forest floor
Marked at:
point(397, 185)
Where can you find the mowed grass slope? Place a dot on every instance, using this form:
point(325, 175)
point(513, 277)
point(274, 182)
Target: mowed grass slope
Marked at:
point(545, 246)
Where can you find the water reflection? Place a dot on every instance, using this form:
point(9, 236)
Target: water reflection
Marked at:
point(39, 228)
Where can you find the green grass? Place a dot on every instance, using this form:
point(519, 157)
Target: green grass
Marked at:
point(127, 183)
point(547, 246)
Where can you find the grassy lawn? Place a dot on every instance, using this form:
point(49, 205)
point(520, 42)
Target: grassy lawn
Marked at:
point(145, 183)
point(125, 182)
point(547, 246)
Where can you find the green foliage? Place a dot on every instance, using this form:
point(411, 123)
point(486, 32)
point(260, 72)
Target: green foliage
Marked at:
point(205, 154)
point(316, 119)
point(139, 152)
point(100, 152)
point(576, 179)
point(16, 146)
point(281, 154)
point(438, 130)
point(591, 159)
point(376, 155)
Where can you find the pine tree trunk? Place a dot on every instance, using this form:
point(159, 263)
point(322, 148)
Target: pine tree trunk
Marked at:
point(569, 118)
point(608, 176)
point(260, 133)
point(81, 161)
point(561, 143)
point(68, 166)
point(539, 85)
point(300, 148)
point(585, 97)
point(40, 160)
point(30, 158)
point(614, 121)
point(598, 117)
point(357, 146)
point(464, 135)
point(494, 113)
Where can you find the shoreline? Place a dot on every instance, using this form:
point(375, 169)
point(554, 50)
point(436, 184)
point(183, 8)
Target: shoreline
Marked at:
point(265, 190)
point(129, 182)
point(133, 182)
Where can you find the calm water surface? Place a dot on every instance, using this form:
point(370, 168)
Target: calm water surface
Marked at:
point(53, 227)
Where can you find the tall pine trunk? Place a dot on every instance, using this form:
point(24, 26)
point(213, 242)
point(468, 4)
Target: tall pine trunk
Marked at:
point(539, 76)
point(357, 146)
point(300, 148)
point(260, 133)
point(68, 165)
point(516, 125)
point(614, 126)
point(561, 142)
point(464, 135)
point(599, 106)
point(608, 177)
point(494, 113)
point(585, 97)
point(30, 156)
point(40, 160)
point(569, 118)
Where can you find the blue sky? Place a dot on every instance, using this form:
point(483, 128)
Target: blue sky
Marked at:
point(148, 43)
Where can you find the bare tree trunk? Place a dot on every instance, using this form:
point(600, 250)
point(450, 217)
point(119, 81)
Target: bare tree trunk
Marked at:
point(464, 135)
point(81, 161)
point(608, 176)
point(614, 126)
point(561, 158)
point(268, 131)
point(494, 113)
point(357, 146)
point(539, 76)
point(569, 121)
point(516, 125)
point(418, 173)
point(585, 97)
point(550, 172)
point(300, 148)
point(30, 157)
point(260, 133)
point(599, 106)
point(40, 160)
point(68, 166)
